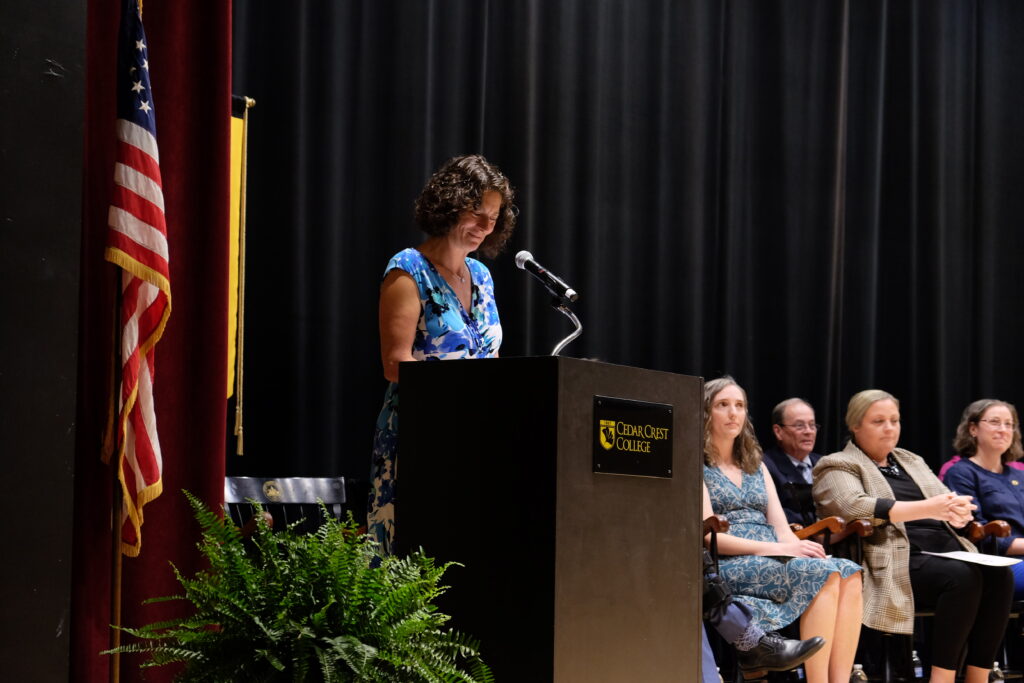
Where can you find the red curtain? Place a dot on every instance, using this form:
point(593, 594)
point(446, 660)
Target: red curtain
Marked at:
point(189, 44)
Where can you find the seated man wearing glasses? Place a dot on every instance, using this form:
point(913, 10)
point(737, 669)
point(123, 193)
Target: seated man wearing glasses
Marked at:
point(791, 459)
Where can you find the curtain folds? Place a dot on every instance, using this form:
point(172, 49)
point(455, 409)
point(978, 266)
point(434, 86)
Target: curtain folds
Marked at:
point(189, 46)
point(815, 197)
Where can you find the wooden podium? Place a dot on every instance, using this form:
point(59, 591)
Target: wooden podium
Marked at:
point(571, 574)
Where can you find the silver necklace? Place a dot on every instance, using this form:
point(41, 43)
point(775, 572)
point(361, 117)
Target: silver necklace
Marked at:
point(462, 278)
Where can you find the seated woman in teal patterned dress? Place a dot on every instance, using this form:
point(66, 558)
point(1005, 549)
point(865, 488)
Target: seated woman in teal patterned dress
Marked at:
point(777, 575)
point(437, 303)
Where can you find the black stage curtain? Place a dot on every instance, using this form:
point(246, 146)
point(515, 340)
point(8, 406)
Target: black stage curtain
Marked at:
point(816, 197)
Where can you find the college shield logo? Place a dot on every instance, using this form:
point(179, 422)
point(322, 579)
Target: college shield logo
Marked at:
point(607, 434)
point(272, 491)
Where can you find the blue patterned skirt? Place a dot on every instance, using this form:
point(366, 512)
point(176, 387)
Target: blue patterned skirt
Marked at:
point(779, 589)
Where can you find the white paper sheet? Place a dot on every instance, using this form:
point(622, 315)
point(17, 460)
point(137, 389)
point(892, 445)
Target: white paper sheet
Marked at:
point(977, 558)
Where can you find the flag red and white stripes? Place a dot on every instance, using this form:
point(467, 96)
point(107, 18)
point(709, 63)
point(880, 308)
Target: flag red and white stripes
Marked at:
point(137, 243)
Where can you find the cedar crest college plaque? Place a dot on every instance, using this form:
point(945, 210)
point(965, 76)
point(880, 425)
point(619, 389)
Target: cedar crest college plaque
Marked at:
point(632, 437)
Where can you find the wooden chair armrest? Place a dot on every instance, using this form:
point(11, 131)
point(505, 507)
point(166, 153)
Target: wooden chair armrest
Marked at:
point(833, 524)
point(977, 532)
point(856, 527)
point(714, 525)
point(717, 524)
point(998, 528)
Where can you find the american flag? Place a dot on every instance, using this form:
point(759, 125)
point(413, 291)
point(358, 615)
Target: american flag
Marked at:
point(137, 243)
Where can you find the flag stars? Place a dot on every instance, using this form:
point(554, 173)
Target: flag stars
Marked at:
point(144, 106)
point(140, 45)
point(137, 87)
point(145, 64)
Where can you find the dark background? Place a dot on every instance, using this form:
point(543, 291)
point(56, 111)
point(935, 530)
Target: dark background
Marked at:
point(815, 197)
point(42, 55)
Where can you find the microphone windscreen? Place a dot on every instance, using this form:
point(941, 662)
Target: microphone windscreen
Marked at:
point(522, 257)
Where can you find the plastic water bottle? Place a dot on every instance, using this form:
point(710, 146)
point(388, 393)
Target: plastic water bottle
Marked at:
point(858, 674)
point(915, 661)
point(997, 673)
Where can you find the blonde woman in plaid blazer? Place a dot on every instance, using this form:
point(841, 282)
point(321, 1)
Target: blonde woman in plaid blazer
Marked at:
point(913, 512)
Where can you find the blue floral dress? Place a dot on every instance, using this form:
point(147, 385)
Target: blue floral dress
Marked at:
point(445, 331)
point(777, 589)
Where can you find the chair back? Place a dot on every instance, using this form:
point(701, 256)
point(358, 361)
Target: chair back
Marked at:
point(800, 493)
point(288, 499)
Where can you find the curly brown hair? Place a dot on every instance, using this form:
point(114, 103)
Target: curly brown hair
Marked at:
point(966, 445)
point(458, 185)
point(746, 450)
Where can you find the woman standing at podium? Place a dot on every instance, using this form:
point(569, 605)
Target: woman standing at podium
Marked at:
point(780, 577)
point(437, 303)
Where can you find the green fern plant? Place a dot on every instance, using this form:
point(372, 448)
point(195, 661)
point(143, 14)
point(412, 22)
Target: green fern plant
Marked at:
point(286, 606)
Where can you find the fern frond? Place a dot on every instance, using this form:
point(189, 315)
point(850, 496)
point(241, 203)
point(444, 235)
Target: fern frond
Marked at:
point(316, 607)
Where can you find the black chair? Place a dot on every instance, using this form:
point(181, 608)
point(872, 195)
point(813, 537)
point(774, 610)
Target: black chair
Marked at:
point(897, 650)
point(831, 531)
point(800, 493)
point(725, 657)
point(287, 500)
point(1011, 651)
point(839, 537)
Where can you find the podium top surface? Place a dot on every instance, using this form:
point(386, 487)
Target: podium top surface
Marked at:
point(536, 361)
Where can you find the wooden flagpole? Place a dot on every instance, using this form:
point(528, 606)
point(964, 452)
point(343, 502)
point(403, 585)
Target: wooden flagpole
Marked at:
point(110, 456)
point(117, 506)
point(115, 592)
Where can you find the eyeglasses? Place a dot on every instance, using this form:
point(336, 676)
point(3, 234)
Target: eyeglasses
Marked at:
point(996, 423)
point(803, 426)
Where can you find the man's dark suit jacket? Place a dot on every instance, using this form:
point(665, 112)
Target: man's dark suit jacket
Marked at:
point(794, 492)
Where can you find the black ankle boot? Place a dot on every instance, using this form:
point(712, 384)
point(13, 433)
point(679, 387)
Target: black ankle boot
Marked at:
point(775, 653)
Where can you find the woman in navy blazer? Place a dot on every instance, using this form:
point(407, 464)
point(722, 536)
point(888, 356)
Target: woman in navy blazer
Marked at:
point(988, 439)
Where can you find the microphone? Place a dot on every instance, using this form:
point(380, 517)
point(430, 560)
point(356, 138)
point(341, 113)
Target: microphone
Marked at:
point(551, 282)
